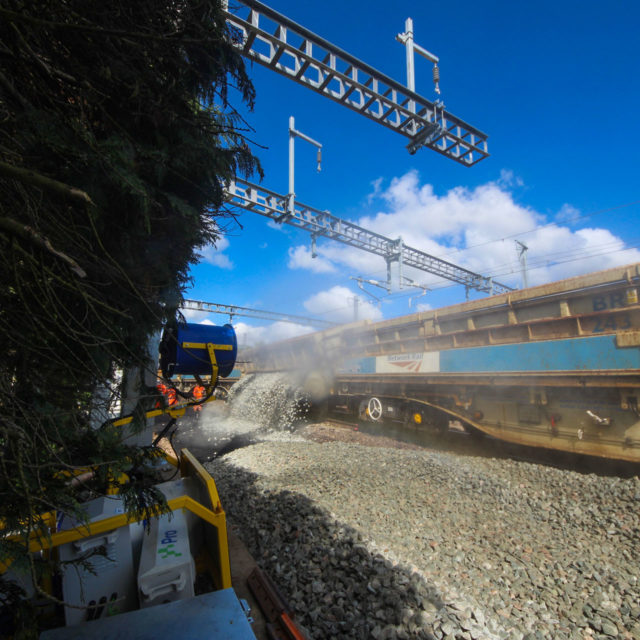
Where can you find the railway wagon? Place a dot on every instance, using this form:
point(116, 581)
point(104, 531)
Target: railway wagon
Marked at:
point(554, 366)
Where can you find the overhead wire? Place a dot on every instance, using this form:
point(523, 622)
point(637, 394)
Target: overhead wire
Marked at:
point(573, 259)
point(570, 257)
point(594, 251)
point(544, 226)
point(558, 257)
point(544, 258)
point(538, 262)
point(532, 230)
point(541, 262)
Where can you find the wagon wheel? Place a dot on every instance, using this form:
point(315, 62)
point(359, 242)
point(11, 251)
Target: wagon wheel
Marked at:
point(374, 409)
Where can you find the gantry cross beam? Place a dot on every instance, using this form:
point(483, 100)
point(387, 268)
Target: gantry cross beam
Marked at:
point(252, 197)
point(233, 310)
point(280, 44)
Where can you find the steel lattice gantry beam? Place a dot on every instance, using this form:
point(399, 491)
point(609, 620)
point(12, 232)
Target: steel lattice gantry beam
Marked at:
point(231, 310)
point(253, 198)
point(280, 44)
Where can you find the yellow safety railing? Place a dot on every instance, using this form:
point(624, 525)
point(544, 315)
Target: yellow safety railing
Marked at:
point(214, 516)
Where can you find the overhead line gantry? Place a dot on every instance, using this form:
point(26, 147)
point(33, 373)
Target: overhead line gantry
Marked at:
point(275, 41)
point(280, 44)
point(251, 197)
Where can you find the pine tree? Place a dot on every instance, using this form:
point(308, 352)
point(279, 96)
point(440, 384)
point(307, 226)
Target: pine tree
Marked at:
point(116, 138)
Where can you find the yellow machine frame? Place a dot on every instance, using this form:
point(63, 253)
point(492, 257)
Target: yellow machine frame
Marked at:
point(214, 515)
point(47, 538)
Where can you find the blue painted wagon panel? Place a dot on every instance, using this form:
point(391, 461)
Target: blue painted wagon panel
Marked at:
point(576, 354)
point(359, 365)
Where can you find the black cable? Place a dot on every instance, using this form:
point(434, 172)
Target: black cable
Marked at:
point(177, 456)
point(163, 432)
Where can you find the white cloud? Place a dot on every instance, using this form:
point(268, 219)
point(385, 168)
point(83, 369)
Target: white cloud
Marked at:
point(278, 226)
point(251, 336)
point(214, 254)
point(377, 188)
point(198, 317)
point(568, 214)
point(248, 335)
point(300, 258)
point(337, 305)
point(476, 229)
point(509, 179)
point(359, 262)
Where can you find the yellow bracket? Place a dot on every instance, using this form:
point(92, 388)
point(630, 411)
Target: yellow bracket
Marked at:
point(207, 345)
point(174, 412)
point(211, 349)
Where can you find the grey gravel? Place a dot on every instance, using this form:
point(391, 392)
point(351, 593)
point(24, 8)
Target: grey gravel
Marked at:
point(386, 543)
point(369, 542)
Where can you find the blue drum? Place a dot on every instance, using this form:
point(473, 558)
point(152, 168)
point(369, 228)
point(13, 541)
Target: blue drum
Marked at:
point(176, 359)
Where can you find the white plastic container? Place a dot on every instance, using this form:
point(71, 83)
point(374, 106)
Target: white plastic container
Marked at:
point(112, 589)
point(167, 570)
point(181, 487)
point(176, 488)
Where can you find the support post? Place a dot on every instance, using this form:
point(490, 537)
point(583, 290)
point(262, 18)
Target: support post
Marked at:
point(407, 40)
point(291, 196)
point(522, 256)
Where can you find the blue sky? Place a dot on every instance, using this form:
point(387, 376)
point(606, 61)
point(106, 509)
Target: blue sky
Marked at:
point(554, 85)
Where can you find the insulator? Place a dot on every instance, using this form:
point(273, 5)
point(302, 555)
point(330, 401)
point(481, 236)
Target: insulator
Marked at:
point(436, 78)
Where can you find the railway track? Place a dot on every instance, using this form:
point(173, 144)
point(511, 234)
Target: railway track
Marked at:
point(457, 441)
point(454, 440)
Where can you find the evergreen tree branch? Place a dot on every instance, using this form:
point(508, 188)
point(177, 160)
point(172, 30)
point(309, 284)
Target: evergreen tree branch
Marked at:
point(9, 88)
point(13, 16)
point(33, 236)
point(37, 179)
point(100, 99)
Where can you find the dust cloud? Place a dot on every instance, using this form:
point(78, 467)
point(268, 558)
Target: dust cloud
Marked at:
point(259, 407)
